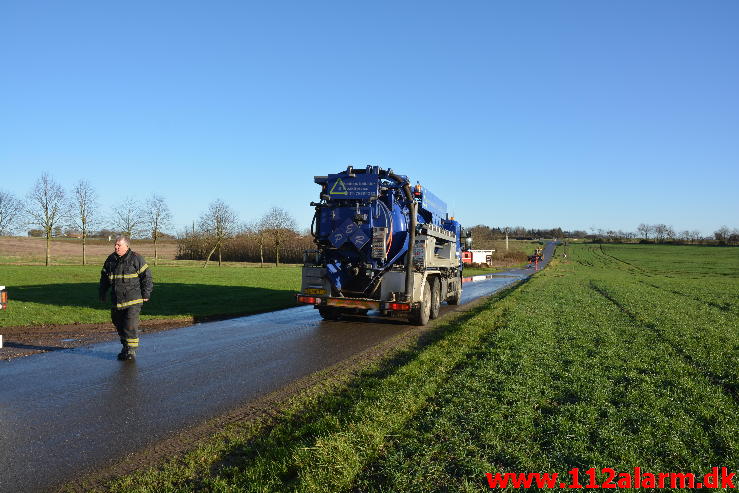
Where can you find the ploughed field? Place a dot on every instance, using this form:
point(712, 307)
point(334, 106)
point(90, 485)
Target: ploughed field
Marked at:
point(618, 356)
point(65, 251)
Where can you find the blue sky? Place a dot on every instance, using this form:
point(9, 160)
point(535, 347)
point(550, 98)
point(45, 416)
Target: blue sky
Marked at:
point(576, 114)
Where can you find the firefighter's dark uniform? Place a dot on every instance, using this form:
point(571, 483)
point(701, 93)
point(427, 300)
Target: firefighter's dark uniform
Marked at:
point(130, 279)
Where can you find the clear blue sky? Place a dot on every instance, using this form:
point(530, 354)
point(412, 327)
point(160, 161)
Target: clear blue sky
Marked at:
point(577, 114)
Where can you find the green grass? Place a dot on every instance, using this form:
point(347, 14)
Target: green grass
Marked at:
point(622, 356)
point(69, 294)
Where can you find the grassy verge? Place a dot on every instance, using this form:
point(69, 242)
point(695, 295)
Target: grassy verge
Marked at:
point(68, 294)
point(589, 364)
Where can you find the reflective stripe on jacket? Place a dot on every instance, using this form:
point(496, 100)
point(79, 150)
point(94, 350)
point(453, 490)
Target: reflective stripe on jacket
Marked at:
point(129, 278)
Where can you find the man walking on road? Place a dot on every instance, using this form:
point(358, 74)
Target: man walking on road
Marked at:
point(127, 273)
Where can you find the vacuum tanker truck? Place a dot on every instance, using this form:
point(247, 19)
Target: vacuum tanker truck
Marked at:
point(381, 244)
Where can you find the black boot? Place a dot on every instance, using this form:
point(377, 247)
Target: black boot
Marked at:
point(127, 354)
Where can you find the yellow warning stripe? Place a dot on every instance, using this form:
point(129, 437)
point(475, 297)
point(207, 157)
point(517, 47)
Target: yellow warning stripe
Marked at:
point(129, 303)
point(122, 276)
point(128, 276)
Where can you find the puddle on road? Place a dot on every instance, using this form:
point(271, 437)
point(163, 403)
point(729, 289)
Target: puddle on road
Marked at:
point(481, 277)
point(485, 277)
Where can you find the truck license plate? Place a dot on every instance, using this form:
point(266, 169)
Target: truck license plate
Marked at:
point(315, 291)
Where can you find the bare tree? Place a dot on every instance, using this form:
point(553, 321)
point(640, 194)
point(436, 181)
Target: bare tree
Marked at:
point(734, 237)
point(660, 232)
point(218, 224)
point(256, 231)
point(86, 205)
point(158, 217)
point(669, 233)
point(11, 209)
point(278, 223)
point(127, 218)
point(645, 230)
point(722, 234)
point(47, 207)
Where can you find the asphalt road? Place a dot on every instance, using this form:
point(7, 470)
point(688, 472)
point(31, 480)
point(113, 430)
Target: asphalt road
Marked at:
point(67, 412)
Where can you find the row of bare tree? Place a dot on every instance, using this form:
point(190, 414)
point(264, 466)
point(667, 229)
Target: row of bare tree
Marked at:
point(663, 233)
point(49, 207)
point(273, 237)
point(647, 233)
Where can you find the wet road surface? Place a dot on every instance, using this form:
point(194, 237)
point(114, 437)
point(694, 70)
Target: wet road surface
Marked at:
point(77, 410)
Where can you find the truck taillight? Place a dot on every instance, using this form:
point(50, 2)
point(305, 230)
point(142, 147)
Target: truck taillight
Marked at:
point(3, 298)
point(310, 300)
point(398, 307)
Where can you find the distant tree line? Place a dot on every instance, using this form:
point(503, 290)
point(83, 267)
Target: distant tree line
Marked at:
point(645, 233)
point(666, 234)
point(484, 234)
point(51, 211)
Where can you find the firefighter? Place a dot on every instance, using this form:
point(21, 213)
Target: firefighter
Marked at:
point(128, 276)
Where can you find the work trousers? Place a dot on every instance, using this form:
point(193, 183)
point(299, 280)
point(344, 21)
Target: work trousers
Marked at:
point(126, 322)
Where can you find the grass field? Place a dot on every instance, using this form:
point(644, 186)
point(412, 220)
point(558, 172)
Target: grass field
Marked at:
point(621, 356)
point(40, 295)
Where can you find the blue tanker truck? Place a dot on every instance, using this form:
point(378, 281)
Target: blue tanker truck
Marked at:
point(381, 244)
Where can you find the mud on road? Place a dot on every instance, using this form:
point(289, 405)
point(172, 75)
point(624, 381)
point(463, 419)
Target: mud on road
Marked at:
point(26, 340)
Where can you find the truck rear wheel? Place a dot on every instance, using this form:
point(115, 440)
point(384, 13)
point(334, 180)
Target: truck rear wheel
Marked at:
point(435, 297)
point(420, 315)
point(454, 299)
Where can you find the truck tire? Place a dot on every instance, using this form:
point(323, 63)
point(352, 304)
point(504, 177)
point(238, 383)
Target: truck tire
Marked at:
point(435, 297)
point(454, 299)
point(328, 313)
point(420, 315)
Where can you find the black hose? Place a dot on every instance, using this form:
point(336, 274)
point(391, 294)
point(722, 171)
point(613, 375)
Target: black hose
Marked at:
point(406, 185)
point(312, 223)
point(412, 229)
point(409, 261)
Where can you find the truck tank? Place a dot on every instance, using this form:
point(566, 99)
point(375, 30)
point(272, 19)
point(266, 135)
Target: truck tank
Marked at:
point(364, 226)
